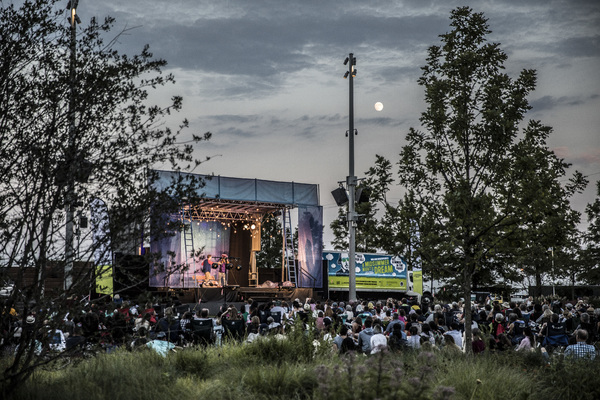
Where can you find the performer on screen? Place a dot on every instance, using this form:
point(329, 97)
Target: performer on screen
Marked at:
point(222, 278)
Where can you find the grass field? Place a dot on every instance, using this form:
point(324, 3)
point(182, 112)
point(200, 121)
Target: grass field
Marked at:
point(295, 368)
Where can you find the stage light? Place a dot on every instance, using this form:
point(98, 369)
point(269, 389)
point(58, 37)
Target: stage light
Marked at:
point(229, 266)
point(238, 267)
point(252, 226)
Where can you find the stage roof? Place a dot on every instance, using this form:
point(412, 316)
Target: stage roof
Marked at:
point(241, 199)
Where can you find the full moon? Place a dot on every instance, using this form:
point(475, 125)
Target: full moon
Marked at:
point(379, 106)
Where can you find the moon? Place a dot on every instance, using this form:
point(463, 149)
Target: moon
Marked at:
point(379, 106)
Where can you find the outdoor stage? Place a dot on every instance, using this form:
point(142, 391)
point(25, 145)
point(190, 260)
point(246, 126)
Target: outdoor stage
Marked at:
point(225, 223)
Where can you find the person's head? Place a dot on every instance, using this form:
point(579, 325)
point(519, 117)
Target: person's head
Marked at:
point(581, 335)
point(413, 330)
point(454, 326)
point(204, 313)
point(344, 330)
point(368, 322)
point(208, 257)
point(499, 318)
point(512, 317)
point(397, 329)
point(255, 320)
point(449, 340)
point(585, 318)
point(476, 333)
point(377, 329)
point(554, 318)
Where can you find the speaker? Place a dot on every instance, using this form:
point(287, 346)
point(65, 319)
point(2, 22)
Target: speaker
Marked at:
point(340, 196)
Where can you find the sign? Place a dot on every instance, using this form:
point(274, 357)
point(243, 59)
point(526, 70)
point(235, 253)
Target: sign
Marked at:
point(373, 271)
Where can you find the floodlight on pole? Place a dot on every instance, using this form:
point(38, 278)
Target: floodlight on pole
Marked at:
point(351, 181)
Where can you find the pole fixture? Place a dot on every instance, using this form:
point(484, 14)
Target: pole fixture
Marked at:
point(351, 180)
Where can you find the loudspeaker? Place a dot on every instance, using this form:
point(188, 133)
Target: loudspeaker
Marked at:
point(340, 196)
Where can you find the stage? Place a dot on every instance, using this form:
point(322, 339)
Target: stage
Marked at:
point(235, 294)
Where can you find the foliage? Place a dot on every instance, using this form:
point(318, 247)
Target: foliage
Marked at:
point(591, 249)
point(235, 371)
point(271, 242)
point(76, 125)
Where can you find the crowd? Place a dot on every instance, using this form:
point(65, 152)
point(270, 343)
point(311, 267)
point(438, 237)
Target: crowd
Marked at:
point(365, 327)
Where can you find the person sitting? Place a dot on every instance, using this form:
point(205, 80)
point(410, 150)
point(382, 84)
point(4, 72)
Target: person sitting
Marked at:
point(554, 333)
point(581, 350)
point(478, 344)
point(378, 340)
point(414, 340)
point(364, 337)
point(209, 280)
point(397, 339)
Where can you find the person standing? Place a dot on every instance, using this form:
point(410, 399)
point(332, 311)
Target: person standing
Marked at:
point(222, 278)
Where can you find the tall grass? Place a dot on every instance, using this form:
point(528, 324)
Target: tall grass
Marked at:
point(294, 368)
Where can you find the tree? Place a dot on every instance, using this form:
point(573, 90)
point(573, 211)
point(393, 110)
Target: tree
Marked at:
point(271, 242)
point(465, 169)
point(366, 226)
point(75, 127)
point(591, 248)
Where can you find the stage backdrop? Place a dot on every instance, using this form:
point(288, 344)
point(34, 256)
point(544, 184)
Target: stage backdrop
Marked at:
point(310, 246)
point(209, 238)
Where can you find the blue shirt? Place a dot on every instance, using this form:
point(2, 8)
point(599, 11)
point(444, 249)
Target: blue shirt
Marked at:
point(581, 350)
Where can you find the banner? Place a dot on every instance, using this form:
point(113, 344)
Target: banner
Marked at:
point(418, 281)
point(310, 247)
point(99, 222)
point(373, 271)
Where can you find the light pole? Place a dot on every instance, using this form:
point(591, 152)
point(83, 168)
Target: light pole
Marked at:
point(351, 181)
point(70, 200)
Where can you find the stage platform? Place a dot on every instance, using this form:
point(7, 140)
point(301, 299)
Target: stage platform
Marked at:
point(235, 294)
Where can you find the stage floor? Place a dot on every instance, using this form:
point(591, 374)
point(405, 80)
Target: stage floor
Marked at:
point(233, 294)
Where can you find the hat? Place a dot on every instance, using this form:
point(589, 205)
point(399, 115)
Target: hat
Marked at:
point(161, 334)
point(30, 319)
point(307, 307)
point(505, 305)
point(334, 305)
point(416, 307)
point(223, 255)
point(370, 305)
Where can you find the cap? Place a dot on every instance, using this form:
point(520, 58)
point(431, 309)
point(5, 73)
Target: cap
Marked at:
point(307, 307)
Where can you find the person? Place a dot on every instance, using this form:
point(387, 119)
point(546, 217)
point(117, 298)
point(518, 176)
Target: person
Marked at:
point(364, 337)
point(478, 344)
point(397, 339)
point(160, 344)
point(450, 345)
point(414, 340)
point(342, 334)
point(207, 265)
point(455, 333)
point(222, 277)
point(528, 342)
point(378, 340)
point(581, 350)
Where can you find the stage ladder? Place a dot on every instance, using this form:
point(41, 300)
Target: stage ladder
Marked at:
point(289, 257)
point(188, 242)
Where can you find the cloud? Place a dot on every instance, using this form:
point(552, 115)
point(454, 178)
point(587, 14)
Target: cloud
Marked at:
point(549, 102)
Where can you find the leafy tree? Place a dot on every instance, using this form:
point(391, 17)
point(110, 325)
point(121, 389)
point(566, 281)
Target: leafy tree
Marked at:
point(76, 127)
point(271, 242)
point(466, 169)
point(366, 226)
point(591, 248)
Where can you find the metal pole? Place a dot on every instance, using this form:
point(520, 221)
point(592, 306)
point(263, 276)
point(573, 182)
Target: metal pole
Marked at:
point(71, 156)
point(351, 182)
point(553, 278)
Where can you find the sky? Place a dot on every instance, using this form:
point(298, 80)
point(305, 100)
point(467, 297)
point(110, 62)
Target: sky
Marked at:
point(265, 77)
